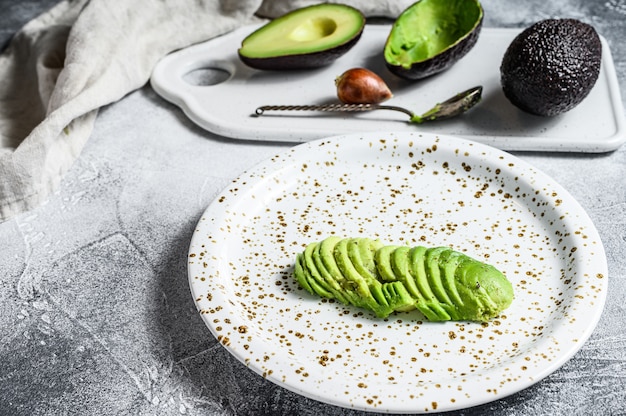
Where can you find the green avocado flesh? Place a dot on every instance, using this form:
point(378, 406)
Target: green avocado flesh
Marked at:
point(551, 66)
point(431, 35)
point(443, 284)
point(308, 37)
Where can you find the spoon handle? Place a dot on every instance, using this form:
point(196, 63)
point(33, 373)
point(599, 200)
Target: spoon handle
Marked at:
point(331, 108)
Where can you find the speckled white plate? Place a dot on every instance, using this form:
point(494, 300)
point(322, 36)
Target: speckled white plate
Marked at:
point(404, 188)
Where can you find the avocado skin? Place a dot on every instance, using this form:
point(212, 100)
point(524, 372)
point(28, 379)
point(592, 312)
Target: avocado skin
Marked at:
point(301, 61)
point(438, 63)
point(551, 67)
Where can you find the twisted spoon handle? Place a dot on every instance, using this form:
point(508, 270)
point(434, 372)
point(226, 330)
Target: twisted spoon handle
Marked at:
point(331, 107)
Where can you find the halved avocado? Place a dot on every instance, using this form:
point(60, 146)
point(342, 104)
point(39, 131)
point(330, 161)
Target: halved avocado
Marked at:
point(308, 37)
point(431, 35)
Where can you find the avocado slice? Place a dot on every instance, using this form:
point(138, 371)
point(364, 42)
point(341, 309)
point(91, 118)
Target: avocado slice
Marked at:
point(356, 284)
point(433, 272)
point(361, 252)
point(397, 297)
point(382, 257)
point(431, 35)
point(308, 276)
point(308, 37)
point(484, 289)
point(418, 272)
point(301, 274)
point(359, 289)
point(326, 265)
point(449, 262)
point(551, 66)
point(401, 268)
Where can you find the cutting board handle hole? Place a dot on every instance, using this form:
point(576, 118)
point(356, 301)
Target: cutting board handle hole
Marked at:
point(212, 73)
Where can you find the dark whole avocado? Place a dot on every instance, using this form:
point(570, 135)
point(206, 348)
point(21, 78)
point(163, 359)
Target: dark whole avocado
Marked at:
point(309, 37)
point(551, 67)
point(431, 35)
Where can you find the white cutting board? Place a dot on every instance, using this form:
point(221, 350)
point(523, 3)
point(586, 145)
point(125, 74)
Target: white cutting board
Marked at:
point(228, 106)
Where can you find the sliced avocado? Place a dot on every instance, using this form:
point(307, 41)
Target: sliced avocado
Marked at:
point(434, 274)
point(301, 274)
point(325, 262)
point(449, 261)
point(431, 35)
point(311, 273)
point(401, 268)
point(308, 37)
point(361, 252)
point(398, 298)
point(485, 290)
point(441, 283)
point(418, 271)
point(382, 257)
point(427, 303)
point(383, 309)
point(433, 311)
point(355, 285)
point(551, 66)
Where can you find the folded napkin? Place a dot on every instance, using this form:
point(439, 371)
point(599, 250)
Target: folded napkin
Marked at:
point(84, 54)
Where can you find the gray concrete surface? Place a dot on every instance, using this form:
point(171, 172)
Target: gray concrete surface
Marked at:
point(95, 311)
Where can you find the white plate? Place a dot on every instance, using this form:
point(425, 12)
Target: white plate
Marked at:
point(227, 108)
point(404, 189)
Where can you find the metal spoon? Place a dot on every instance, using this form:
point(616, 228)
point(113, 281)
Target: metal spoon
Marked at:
point(452, 107)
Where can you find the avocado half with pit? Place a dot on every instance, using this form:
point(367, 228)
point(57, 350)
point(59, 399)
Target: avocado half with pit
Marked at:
point(431, 35)
point(308, 37)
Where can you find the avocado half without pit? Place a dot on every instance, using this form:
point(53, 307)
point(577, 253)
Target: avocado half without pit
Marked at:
point(431, 35)
point(308, 37)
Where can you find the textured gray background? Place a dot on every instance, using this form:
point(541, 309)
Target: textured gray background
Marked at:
point(95, 311)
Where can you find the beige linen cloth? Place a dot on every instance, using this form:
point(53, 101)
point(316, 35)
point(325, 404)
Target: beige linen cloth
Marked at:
point(84, 54)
